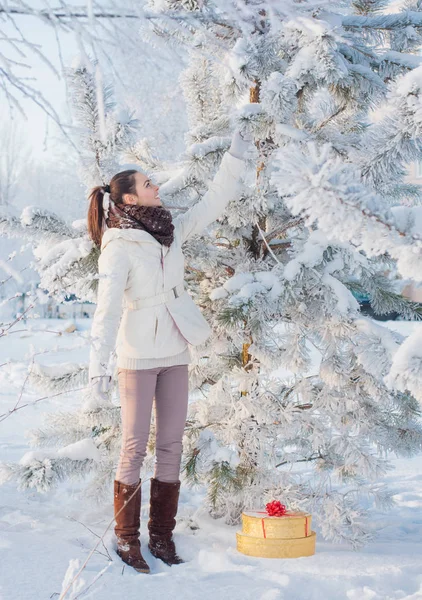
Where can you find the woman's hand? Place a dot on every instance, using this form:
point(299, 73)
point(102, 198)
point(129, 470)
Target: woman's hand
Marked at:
point(100, 386)
point(240, 143)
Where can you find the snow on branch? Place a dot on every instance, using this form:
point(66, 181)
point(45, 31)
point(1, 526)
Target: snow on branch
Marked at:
point(393, 63)
point(409, 61)
point(104, 128)
point(36, 223)
point(394, 139)
point(406, 369)
point(316, 183)
point(406, 18)
point(46, 222)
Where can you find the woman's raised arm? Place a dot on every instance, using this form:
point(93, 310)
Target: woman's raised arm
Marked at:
point(222, 189)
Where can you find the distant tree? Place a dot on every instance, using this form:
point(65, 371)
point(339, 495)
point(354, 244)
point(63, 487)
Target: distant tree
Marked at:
point(15, 161)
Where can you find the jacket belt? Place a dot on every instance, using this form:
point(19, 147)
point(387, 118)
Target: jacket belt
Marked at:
point(174, 292)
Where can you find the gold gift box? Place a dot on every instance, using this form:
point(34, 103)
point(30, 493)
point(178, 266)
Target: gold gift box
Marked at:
point(288, 536)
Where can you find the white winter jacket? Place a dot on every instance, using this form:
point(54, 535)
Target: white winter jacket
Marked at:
point(145, 278)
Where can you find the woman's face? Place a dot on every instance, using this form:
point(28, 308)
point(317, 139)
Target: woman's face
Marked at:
point(146, 192)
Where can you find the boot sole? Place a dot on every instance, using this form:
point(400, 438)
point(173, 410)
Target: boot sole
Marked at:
point(164, 561)
point(138, 569)
point(142, 570)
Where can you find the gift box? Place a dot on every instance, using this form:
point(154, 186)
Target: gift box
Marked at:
point(276, 533)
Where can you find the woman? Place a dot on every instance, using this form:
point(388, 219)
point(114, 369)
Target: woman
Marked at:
point(142, 266)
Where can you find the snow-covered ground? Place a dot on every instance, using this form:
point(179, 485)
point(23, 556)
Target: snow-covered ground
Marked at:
point(41, 534)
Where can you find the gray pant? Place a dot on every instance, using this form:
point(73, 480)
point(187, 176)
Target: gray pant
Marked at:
point(137, 388)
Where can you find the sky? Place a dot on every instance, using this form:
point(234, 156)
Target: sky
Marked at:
point(153, 91)
point(37, 124)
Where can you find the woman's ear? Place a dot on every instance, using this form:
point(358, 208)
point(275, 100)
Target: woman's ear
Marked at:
point(129, 199)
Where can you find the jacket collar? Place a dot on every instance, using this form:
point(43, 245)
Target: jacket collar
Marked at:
point(133, 235)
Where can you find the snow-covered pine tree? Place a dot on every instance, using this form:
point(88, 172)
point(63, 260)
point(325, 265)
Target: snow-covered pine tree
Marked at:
point(293, 401)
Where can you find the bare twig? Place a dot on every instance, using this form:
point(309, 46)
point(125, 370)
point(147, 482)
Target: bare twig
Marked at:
point(266, 243)
point(283, 228)
point(63, 595)
point(21, 316)
point(93, 532)
point(4, 416)
point(285, 462)
point(56, 13)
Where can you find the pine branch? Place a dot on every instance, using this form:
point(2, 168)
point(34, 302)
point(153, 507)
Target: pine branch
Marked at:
point(224, 477)
point(385, 301)
point(47, 223)
point(190, 465)
point(232, 317)
point(407, 18)
point(318, 456)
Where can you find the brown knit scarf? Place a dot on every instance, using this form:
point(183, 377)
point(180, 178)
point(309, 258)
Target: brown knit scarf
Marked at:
point(156, 220)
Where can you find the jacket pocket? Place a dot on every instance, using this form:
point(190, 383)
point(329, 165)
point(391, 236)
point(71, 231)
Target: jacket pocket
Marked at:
point(189, 319)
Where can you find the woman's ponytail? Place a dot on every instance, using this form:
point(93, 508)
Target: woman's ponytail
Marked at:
point(121, 183)
point(96, 214)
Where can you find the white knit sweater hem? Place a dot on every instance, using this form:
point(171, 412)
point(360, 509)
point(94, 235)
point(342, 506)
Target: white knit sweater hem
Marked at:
point(127, 362)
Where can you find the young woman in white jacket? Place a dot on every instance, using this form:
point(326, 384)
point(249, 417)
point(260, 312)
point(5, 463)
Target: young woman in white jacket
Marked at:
point(146, 316)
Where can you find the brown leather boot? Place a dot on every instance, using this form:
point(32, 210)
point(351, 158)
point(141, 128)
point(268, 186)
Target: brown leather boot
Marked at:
point(163, 509)
point(128, 524)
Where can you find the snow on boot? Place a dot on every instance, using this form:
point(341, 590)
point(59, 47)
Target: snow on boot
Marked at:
point(128, 524)
point(163, 509)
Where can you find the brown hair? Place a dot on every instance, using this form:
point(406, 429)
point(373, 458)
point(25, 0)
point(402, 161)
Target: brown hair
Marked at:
point(121, 183)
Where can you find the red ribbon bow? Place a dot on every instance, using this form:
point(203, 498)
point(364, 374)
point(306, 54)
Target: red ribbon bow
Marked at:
point(275, 508)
